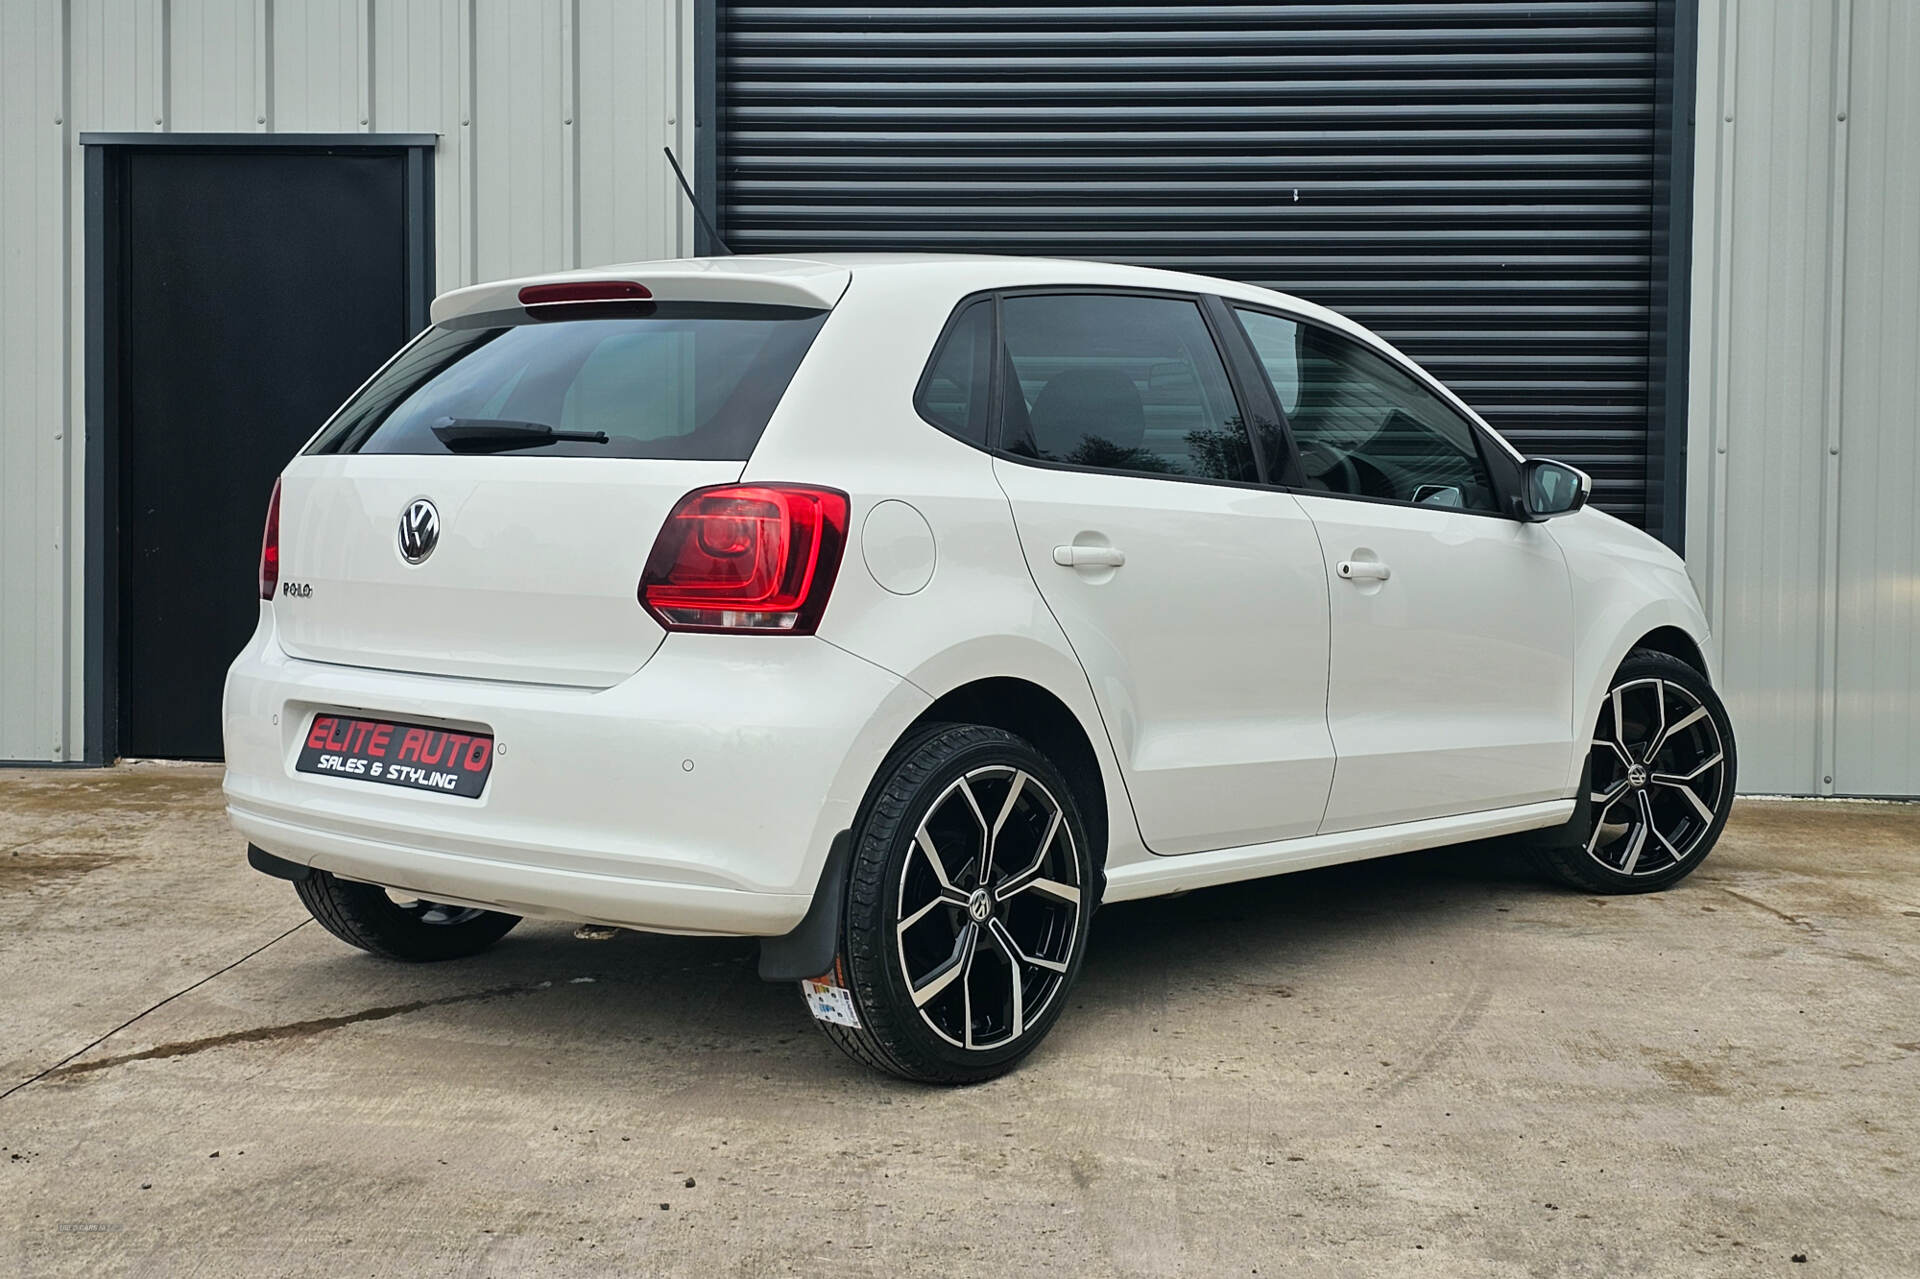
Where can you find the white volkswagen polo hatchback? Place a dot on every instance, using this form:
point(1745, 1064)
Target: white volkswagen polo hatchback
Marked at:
point(899, 611)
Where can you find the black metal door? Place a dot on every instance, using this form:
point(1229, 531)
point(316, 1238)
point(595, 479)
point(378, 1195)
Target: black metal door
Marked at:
point(257, 290)
point(1476, 179)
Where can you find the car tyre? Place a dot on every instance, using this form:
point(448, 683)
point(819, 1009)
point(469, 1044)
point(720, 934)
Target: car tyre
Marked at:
point(414, 931)
point(1660, 782)
point(969, 895)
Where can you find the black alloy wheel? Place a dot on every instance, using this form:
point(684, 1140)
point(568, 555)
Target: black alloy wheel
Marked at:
point(968, 905)
point(1661, 779)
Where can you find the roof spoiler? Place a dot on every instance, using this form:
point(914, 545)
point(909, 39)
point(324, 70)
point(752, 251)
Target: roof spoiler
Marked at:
point(816, 286)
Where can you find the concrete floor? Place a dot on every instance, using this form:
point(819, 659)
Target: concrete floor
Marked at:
point(1432, 1065)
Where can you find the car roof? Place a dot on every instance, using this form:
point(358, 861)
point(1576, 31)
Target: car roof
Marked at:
point(819, 279)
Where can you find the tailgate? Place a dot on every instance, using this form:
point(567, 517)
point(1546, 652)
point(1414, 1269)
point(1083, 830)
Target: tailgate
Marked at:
point(534, 576)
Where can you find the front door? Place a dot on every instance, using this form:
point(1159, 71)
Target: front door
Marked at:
point(1450, 688)
point(1194, 598)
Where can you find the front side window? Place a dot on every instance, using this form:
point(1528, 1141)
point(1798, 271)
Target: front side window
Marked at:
point(662, 380)
point(1365, 427)
point(1121, 383)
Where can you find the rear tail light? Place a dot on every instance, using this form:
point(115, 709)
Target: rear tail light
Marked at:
point(270, 547)
point(755, 558)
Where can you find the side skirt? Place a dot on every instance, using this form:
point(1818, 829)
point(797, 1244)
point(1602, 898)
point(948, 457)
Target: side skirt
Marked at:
point(1159, 875)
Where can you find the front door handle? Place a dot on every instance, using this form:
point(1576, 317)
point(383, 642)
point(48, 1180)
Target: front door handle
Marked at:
point(1363, 570)
point(1089, 556)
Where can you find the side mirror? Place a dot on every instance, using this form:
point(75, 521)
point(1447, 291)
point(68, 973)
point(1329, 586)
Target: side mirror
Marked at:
point(1552, 488)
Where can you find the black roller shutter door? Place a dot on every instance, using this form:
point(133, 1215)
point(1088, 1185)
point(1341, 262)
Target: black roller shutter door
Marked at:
point(1472, 180)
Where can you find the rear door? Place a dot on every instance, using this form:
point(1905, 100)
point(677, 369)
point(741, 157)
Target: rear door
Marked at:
point(1193, 595)
point(484, 507)
point(1450, 688)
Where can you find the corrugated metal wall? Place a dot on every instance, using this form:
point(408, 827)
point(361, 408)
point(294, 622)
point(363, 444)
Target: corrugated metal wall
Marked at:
point(36, 520)
point(1804, 470)
point(551, 115)
point(1474, 180)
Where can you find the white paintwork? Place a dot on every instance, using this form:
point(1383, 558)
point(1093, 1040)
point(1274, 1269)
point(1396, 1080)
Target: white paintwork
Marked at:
point(898, 546)
point(773, 281)
point(533, 579)
point(1190, 633)
point(1207, 647)
point(1451, 684)
point(1625, 585)
point(604, 792)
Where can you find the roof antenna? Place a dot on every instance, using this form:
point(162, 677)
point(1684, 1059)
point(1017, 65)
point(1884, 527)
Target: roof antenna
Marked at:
point(712, 234)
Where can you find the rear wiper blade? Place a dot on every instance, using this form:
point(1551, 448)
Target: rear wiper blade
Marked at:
point(501, 435)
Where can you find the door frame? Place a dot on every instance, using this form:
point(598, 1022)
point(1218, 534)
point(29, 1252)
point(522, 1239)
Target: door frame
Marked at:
point(105, 230)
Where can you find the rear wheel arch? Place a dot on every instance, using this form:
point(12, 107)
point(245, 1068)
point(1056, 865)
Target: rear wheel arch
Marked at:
point(1030, 711)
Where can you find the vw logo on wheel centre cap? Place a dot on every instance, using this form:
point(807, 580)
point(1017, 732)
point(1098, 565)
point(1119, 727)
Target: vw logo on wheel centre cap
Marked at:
point(419, 530)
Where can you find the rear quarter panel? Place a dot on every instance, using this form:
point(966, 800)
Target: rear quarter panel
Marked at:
point(848, 421)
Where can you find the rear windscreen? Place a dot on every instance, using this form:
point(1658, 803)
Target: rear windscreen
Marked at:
point(651, 380)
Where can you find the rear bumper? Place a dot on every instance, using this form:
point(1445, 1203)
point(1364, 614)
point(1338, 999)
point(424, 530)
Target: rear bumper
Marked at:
point(700, 795)
point(521, 888)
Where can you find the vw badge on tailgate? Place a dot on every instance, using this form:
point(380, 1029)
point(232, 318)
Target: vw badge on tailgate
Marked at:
point(419, 530)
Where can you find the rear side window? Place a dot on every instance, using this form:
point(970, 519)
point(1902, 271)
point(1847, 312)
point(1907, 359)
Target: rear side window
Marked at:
point(953, 394)
point(1121, 383)
point(662, 380)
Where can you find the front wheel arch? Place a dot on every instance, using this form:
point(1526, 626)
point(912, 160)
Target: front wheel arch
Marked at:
point(1675, 643)
point(1611, 638)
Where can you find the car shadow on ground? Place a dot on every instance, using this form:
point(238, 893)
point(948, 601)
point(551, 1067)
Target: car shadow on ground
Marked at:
point(701, 1000)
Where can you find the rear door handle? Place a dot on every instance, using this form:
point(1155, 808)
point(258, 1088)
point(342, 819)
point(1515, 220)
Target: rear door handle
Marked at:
point(1089, 556)
point(1364, 570)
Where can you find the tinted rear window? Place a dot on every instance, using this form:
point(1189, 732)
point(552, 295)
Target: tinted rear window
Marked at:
point(1121, 382)
point(953, 392)
point(662, 380)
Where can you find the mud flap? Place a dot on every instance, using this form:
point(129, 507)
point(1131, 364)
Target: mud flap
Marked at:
point(808, 950)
